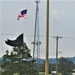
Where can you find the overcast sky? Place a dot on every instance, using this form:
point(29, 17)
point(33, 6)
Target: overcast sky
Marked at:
point(62, 23)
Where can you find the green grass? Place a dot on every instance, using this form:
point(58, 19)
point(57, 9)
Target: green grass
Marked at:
point(41, 73)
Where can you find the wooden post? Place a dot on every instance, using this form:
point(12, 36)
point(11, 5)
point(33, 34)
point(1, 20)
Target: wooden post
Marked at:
point(47, 39)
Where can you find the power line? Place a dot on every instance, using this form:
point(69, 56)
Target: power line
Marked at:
point(69, 38)
point(4, 34)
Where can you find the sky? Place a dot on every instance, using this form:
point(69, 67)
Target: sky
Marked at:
point(61, 23)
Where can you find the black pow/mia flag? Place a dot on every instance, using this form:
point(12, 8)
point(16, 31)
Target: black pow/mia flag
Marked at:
point(17, 42)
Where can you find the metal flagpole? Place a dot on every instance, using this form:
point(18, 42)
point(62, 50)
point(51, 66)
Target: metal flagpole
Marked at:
point(47, 38)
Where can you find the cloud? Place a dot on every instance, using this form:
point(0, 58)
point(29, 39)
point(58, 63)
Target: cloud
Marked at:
point(58, 13)
point(61, 14)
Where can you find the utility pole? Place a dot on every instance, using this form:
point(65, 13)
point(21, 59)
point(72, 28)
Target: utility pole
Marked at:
point(47, 39)
point(57, 37)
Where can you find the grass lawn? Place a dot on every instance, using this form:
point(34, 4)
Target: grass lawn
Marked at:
point(41, 73)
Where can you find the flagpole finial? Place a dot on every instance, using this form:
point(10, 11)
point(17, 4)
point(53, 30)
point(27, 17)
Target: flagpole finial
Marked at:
point(37, 1)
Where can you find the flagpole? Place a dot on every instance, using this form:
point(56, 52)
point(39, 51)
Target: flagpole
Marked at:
point(47, 39)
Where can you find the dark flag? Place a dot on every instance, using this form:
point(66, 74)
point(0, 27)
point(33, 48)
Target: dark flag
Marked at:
point(17, 42)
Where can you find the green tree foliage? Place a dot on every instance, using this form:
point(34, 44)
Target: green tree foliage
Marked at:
point(19, 60)
point(65, 66)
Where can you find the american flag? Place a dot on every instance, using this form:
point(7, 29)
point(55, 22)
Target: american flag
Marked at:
point(22, 14)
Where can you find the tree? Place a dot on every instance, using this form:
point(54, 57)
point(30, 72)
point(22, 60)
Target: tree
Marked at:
point(18, 61)
point(65, 66)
